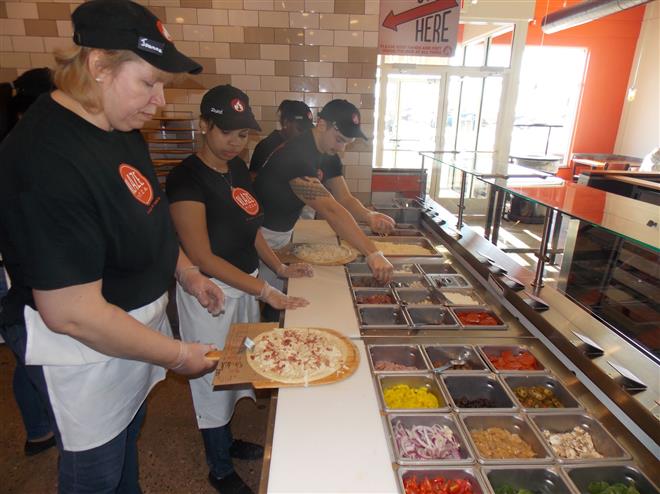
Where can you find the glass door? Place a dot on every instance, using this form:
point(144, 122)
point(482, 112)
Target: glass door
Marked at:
point(412, 111)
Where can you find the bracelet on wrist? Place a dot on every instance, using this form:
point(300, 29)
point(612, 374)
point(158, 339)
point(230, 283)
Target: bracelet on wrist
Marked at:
point(181, 357)
point(280, 269)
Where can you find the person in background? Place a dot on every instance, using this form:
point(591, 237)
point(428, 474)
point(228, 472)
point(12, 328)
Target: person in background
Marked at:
point(218, 222)
point(89, 238)
point(292, 177)
point(295, 118)
point(34, 411)
point(17, 96)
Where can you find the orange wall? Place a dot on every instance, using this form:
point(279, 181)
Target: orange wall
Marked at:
point(611, 43)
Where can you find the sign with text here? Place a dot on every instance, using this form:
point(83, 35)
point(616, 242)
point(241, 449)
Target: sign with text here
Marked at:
point(418, 27)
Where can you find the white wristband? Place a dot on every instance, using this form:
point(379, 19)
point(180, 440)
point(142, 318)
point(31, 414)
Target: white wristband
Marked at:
point(181, 357)
point(181, 275)
point(376, 253)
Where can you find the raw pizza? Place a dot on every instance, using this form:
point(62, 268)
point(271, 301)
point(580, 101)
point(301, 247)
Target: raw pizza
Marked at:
point(297, 355)
point(324, 253)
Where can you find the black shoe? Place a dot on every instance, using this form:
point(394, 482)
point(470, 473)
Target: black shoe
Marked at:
point(231, 484)
point(32, 448)
point(244, 450)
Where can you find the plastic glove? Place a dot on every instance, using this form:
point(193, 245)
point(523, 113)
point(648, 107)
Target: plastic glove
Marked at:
point(278, 300)
point(208, 294)
point(380, 267)
point(191, 360)
point(381, 223)
point(297, 270)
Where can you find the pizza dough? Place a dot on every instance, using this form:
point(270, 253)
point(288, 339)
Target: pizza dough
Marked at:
point(297, 355)
point(399, 249)
point(324, 253)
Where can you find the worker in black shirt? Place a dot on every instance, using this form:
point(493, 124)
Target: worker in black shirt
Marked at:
point(218, 221)
point(86, 233)
point(296, 118)
point(292, 177)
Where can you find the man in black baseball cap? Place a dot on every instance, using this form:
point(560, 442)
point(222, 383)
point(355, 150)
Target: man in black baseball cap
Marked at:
point(126, 25)
point(343, 116)
point(229, 108)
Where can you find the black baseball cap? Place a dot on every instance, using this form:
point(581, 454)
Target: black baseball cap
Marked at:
point(229, 108)
point(126, 25)
point(296, 111)
point(344, 116)
point(29, 86)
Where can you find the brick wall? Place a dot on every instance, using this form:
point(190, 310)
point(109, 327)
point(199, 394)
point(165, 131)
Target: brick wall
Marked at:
point(313, 50)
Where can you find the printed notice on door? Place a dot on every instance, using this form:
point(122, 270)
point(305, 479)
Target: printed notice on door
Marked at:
point(418, 27)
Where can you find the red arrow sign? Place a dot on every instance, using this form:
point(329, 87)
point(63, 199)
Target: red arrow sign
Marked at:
point(392, 21)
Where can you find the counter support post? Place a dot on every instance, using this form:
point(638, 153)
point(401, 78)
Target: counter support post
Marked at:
point(461, 202)
point(497, 216)
point(489, 213)
point(543, 249)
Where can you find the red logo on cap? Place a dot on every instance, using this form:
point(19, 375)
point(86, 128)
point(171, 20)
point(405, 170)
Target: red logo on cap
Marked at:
point(237, 105)
point(245, 201)
point(137, 184)
point(356, 119)
point(309, 115)
point(163, 31)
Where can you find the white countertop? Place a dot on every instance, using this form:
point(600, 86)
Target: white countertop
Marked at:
point(329, 438)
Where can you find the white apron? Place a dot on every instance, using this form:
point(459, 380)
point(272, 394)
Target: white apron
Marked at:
point(94, 396)
point(214, 408)
point(276, 240)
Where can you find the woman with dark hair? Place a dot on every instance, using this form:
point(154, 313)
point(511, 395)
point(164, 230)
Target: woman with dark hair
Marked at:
point(218, 221)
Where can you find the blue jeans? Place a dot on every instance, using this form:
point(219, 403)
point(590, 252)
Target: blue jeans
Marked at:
point(111, 468)
point(217, 442)
point(108, 469)
point(34, 410)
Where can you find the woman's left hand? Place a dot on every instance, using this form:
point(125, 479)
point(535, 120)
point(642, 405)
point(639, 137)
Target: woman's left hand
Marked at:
point(297, 270)
point(208, 294)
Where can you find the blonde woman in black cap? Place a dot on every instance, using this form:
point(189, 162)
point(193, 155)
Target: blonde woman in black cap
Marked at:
point(89, 236)
point(218, 221)
point(293, 177)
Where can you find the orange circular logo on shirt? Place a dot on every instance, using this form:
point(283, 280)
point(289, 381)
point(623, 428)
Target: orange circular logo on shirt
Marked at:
point(245, 201)
point(137, 184)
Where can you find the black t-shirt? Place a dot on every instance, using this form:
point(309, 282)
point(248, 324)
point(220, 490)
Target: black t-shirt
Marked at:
point(232, 227)
point(298, 157)
point(264, 149)
point(79, 204)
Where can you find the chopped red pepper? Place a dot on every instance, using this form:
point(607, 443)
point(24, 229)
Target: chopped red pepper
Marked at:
point(437, 485)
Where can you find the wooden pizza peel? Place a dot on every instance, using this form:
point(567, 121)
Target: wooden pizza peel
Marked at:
point(233, 368)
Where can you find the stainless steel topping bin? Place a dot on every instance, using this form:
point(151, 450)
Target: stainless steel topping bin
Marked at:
point(581, 476)
point(545, 381)
point(515, 424)
point(437, 268)
point(415, 296)
point(441, 354)
point(471, 474)
point(541, 480)
point(409, 420)
point(459, 297)
point(448, 281)
point(422, 242)
point(431, 317)
point(478, 386)
point(604, 443)
point(409, 281)
point(414, 381)
point(496, 350)
point(365, 281)
point(409, 355)
point(382, 317)
point(483, 327)
point(358, 293)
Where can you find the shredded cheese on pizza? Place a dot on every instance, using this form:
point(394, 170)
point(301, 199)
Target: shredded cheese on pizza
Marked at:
point(322, 253)
point(397, 249)
point(295, 355)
